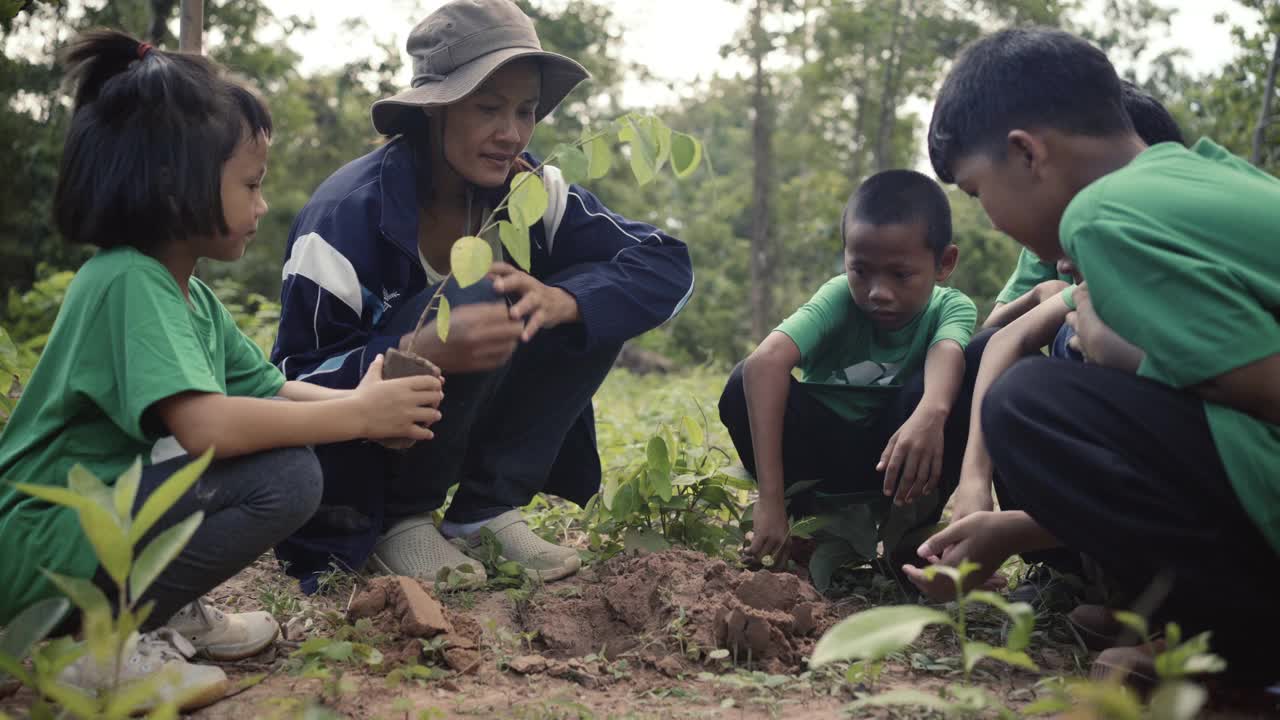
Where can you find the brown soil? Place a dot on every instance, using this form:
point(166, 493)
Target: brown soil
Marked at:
point(398, 364)
point(683, 604)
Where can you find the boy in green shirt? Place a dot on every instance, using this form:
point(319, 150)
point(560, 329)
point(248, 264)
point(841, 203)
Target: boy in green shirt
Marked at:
point(1160, 457)
point(881, 353)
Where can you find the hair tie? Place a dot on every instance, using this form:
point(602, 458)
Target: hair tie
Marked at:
point(143, 49)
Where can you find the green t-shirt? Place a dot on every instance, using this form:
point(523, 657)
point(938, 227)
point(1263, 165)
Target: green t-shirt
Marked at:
point(1030, 272)
point(124, 338)
point(851, 366)
point(1179, 251)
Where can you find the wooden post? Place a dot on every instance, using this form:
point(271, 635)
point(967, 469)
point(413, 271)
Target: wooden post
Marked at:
point(191, 27)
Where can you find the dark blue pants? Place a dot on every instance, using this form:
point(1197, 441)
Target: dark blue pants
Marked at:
point(501, 431)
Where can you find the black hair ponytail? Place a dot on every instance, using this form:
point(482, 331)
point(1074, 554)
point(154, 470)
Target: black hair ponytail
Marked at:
point(149, 134)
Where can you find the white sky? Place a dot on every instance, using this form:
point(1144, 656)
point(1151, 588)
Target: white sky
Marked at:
point(678, 40)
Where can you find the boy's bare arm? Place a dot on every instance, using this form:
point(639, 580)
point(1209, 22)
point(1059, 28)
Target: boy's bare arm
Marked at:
point(1005, 313)
point(912, 460)
point(302, 391)
point(766, 379)
point(1253, 389)
point(1020, 338)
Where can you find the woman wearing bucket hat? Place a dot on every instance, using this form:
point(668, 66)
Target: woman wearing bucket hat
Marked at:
point(525, 353)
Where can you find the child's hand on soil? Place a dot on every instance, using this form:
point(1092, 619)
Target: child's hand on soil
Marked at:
point(981, 538)
point(481, 337)
point(540, 306)
point(399, 408)
point(769, 529)
point(912, 460)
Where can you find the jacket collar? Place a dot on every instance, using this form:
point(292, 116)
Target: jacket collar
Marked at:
point(398, 187)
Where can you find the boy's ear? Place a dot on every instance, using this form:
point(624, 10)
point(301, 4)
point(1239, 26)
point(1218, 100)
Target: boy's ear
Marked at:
point(947, 263)
point(1026, 151)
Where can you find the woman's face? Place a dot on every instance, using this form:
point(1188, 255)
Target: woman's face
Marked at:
point(484, 132)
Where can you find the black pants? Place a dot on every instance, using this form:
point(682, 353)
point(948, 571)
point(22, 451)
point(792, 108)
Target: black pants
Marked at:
point(501, 431)
point(1125, 470)
point(250, 503)
point(817, 444)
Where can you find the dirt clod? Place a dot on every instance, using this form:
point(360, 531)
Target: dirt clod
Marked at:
point(670, 666)
point(418, 612)
point(528, 664)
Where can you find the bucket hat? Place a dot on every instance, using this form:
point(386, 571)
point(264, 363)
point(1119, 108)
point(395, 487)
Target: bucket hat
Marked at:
point(460, 45)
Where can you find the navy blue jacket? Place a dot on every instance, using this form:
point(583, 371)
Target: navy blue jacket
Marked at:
point(352, 260)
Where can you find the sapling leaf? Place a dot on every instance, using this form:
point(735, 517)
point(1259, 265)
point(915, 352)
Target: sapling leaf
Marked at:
point(693, 431)
point(805, 527)
point(875, 633)
point(528, 200)
point(1134, 622)
point(31, 626)
point(659, 466)
point(646, 540)
point(110, 541)
point(573, 163)
point(642, 153)
point(1178, 701)
point(828, 557)
point(160, 552)
point(95, 612)
point(1021, 614)
point(55, 495)
point(87, 485)
point(516, 241)
point(599, 158)
point(975, 651)
point(470, 258)
point(126, 490)
point(166, 495)
point(686, 154)
point(442, 319)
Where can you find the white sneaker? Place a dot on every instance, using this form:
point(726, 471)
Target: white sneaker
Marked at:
point(219, 636)
point(146, 657)
point(415, 548)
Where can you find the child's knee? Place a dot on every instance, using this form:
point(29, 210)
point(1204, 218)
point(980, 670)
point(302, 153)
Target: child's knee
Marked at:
point(298, 484)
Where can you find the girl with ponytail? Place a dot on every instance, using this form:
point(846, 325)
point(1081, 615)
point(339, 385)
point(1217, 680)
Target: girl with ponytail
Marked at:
point(163, 164)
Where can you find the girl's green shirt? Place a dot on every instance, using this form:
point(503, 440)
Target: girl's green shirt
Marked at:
point(124, 338)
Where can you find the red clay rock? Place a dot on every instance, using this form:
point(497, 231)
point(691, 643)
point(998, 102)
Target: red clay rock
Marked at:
point(528, 664)
point(420, 614)
point(371, 600)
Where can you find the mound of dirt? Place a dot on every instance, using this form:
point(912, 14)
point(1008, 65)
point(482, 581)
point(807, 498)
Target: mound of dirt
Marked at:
point(682, 604)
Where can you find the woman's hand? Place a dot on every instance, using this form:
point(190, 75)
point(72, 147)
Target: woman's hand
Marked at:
point(539, 306)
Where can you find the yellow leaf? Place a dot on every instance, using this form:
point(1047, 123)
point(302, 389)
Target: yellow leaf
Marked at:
point(470, 259)
point(442, 319)
point(528, 201)
point(516, 241)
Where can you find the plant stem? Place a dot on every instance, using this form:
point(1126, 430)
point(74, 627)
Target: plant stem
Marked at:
point(963, 613)
point(422, 319)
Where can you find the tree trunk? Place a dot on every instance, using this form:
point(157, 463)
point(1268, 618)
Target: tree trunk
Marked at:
point(161, 11)
point(1268, 96)
point(889, 93)
point(191, 27)
point(861, 90)
point(762, 154)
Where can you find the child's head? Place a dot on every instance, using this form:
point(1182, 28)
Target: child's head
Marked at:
point(897, 243)
point(1026, 118)
point(162, 149)
point(1152, 121)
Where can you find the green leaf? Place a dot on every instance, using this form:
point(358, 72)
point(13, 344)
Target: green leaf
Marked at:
point(626, 502)
point(829, 557)
point(903, 696)
point(599, 158)
point(686, 154)
point(55, 495)
point(110, 541)
point(87, 485)
point(1021, 614)
point(470, 259)
point(693, 431)
point(805, 527)
point(165, 496)
point(573, 163)
point(610, 491)
point(516, 241)
point(160, 552)
point(975, 651)
point(646, 540)
point(659, 466)
point(126, 490)
point(875, 633)
point(131, 696)
point(1134, 622)
point(642, 154)
point(1046, 706)
point(442, 319)
point(528, 200)
point(1178, 701)
point(83, 593)
point(30, 626)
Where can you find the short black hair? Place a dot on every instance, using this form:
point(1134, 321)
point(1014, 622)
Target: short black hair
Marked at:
point(150, 131)
point(901, 196)
point(1023, 78)
point(1151, 120)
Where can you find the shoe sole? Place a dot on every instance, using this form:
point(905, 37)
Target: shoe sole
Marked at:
point(473, 582)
